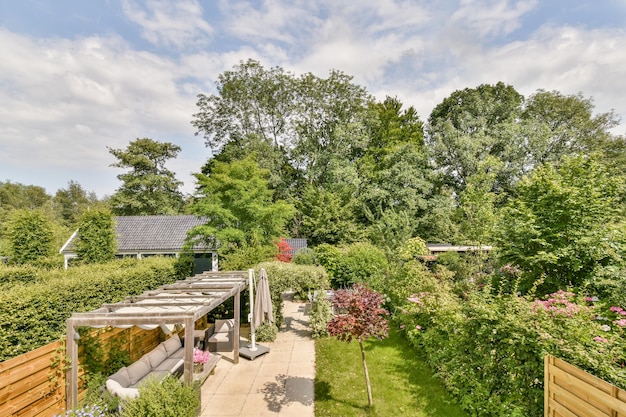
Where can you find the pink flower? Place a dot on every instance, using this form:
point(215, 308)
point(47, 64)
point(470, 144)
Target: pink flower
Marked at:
point(616, 309)
point(200, 356)
point(620, 322)
point(402, 327)
point(418, 327)
point(600, 339)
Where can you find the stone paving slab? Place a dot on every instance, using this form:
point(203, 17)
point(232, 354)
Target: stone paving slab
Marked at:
point(277, 384)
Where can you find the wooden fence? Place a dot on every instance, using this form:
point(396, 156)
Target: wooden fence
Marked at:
point(572, 392)
point(33, 384)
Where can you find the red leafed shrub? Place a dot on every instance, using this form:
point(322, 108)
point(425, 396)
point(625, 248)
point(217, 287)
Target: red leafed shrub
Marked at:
point(283, 251)
point(360, 316)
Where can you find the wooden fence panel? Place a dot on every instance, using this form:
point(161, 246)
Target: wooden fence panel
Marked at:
point(33, 384)
point(572, 392)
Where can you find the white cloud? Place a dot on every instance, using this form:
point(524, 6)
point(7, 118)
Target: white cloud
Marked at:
point(178, 24)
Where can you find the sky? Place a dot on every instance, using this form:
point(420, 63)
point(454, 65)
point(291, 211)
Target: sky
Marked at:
point(80, 77)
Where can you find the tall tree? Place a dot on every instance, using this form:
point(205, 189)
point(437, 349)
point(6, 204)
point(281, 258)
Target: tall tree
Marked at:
point(473, 124)
point(148, 188)
point(238, 205)
point(69, 203)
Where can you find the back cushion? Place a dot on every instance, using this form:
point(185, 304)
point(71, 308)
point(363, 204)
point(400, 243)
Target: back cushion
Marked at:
point(157, 356)
point(121, 377)
point(223, 326)
point(138, 370)
point(172, 344)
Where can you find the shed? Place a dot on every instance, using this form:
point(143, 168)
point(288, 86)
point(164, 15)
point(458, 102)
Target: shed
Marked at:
point(143, 236)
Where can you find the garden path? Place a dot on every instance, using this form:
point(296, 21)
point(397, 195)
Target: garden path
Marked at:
point(278, 384)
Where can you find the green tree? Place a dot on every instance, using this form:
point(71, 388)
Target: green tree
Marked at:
point(69, 203)
point(148, 188)
point(473, 124)
point(564, 223)
point(239, 208)
point(30, 236)
point(96, 237)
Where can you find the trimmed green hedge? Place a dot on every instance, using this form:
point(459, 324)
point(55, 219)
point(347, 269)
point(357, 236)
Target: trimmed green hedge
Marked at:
point(34, 305)
point(284, 276)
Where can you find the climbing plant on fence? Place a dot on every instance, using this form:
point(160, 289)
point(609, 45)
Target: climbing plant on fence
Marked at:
point(33, 313)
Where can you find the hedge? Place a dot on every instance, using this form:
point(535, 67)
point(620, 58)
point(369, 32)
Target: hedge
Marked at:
point(33, 313)
point(284, 277)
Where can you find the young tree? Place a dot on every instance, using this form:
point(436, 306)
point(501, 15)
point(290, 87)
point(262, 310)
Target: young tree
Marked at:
point(361, 316)
point(96, 237)
point(30, 236)
point(148, 188)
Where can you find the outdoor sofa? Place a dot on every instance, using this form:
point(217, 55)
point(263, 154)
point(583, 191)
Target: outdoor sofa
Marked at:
point(165, 359)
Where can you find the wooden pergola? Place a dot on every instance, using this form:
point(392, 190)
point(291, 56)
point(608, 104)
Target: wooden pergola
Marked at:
point(183, 302)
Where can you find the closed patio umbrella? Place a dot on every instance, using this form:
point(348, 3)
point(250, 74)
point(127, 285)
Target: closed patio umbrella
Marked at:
point(263, 304)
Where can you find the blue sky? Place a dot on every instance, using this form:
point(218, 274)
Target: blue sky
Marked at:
point(79, 76)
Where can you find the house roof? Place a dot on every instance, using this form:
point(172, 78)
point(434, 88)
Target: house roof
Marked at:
point(445, 247)
point(148, 233)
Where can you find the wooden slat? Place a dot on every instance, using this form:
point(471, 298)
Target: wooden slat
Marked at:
point(575, 404)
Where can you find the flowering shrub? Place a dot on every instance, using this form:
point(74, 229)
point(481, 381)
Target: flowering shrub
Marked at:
point(200, 356)
point(284, 249)
point(87, 411)
point(489, 349)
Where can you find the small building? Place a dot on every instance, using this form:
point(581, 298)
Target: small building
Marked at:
point(145, 236)
point(437, 248)
point(295, 244)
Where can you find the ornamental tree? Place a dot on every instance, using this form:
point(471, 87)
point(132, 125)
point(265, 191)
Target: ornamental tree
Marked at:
point(361, 317)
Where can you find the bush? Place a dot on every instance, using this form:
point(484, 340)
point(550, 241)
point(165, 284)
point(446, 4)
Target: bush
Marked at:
point(96, 237)
point(319, 315)
point(166, 398)
point(30, 236)
point(489, 349)
point(305, 256)
point(355, 263)
point(266, 332)
point(33, 314)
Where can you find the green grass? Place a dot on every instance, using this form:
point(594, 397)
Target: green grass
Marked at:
point(402, 384)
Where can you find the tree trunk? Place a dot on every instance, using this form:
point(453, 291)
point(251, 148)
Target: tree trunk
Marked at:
point(367, 376)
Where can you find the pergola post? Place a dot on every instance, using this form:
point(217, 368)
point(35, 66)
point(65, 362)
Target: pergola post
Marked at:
point(71, 375)
point(189, 333)
point(237, 325)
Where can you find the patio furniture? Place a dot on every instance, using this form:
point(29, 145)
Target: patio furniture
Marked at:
point(165, 359)
point(220, 336)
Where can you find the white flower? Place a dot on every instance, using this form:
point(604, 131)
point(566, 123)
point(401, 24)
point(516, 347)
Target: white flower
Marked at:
point(605, 327)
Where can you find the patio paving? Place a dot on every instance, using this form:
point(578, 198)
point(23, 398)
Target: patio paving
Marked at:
point(278, 384)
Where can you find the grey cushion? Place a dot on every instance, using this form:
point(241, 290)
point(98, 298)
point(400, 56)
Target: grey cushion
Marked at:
point(121, 377)
point(156, 356)
point(138, 370)
point(172, 365)
point(219, 337)
point(179, 354)
point(224, 326)
point(172, 344)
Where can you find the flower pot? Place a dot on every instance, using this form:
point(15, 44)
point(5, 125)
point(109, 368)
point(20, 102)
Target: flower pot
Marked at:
point(198, 367)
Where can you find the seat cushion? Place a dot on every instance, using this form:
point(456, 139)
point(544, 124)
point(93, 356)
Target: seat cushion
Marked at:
point(219, 337)
point(121, 377)
point(172, 344)
point(138, 370)
point(172, 365)
point(156, 356)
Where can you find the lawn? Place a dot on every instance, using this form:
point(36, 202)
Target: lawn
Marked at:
point(402, 384)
